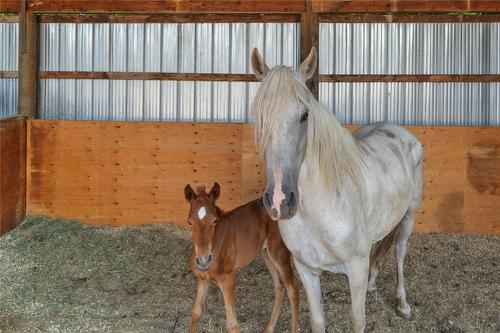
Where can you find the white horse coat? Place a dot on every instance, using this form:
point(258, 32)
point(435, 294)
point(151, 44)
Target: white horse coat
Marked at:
point(341, 199)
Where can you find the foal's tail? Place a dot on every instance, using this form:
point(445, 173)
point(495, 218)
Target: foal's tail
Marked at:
point(381, 247)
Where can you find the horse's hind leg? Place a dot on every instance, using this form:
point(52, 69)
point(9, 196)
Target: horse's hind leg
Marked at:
point(403, 308)
point(279, 292)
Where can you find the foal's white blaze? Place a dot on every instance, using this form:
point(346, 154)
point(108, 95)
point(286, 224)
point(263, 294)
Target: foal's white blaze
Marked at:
point(202, 213)
point(278, 195)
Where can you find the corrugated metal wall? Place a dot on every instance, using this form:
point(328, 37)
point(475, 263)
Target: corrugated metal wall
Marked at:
point(399, 48)
point(8, 62)
point(412, 48)
point(200, 48)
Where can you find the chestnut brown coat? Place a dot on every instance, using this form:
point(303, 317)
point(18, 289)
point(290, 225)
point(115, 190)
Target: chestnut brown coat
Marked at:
point(224, 242)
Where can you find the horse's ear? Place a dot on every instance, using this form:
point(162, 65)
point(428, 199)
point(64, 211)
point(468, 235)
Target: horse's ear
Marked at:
point(214, 192)
point(189, 193)
point(259, 67)
point(308, 66)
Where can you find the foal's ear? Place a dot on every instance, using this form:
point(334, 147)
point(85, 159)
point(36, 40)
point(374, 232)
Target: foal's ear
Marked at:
point(214, 192)
point(308, 66)
point(259, 67)
point(189, 193)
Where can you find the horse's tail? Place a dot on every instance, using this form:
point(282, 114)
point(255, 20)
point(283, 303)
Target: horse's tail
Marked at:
point(381, 247)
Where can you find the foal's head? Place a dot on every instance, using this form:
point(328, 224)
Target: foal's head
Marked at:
point(203, 215)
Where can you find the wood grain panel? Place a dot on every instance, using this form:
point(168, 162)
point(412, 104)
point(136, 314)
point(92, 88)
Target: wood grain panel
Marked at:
point(128, 173)
point(482, 186)
point(133, 173)
point(12, 173)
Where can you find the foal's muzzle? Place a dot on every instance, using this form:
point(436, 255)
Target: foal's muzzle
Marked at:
point(203, 262)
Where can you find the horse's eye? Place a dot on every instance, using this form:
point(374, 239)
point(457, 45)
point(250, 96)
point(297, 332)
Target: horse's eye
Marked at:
point(304, 117)
point(189, 221)
point(215, 221)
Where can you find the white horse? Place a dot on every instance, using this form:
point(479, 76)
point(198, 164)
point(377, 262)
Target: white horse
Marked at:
point(341, 199)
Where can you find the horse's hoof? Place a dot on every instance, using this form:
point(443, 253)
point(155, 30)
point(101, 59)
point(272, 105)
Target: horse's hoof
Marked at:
point(372, 289)
point(404, 313)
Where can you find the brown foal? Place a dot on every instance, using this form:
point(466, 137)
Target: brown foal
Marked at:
point(224, 242)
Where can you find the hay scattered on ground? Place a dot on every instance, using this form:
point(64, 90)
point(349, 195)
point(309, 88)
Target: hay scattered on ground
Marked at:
point(63, 276)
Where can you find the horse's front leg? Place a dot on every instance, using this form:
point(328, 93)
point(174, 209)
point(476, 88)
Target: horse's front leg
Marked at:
point(201, 295)
point(311, 284)
point(357, 272)
point(228, 286)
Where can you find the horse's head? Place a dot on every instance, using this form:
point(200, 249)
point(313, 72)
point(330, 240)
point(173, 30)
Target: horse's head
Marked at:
point(281, 117)
point(203, 215)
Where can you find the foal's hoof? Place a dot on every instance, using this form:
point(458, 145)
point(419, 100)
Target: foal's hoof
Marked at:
point(404, 313)
point(372, 289)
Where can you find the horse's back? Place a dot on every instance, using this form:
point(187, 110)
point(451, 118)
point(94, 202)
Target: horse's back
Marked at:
point(381, 135)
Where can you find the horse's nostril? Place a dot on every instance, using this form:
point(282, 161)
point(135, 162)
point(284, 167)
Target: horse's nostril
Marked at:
point(209, 258)
point(197, 261)
point(267, 199)
point(291, 201)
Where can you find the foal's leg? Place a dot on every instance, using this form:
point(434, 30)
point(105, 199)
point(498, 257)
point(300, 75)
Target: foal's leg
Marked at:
point(281, 259)
point(311, 284)
point(373, 277)
point(279, 293)
point(227, 285)
point(201, 295)
point(403, 308)
point(357, 272)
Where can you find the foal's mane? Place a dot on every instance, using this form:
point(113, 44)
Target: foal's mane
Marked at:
point(330, 147)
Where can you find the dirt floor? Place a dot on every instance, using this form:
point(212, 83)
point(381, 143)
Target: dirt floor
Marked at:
point(61, 276)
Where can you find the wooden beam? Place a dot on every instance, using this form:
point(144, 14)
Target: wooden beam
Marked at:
point(28, 42)
point(167, 6)
point(10, 6)
point(411, 78)
point(9, 18)
point(12, 173)
point(8, 74)
point(170, 18)
point(309, 37)
point(147, 76)
point(405, 6)
point(408, 18)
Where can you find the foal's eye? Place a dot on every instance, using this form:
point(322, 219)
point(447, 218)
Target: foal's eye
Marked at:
point(189, 221)
point(304, 117)
point(215, 221)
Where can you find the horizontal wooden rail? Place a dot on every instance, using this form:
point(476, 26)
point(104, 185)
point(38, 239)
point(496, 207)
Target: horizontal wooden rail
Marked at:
point(251, 78)
point(171, 18)
point(437, 18)
point(147, 76)
point(8, 74)
point(168, 6)
point(411, 78)
point(405, 6)
point(9, 18)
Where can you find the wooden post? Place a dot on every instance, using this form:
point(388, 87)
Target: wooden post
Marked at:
point(27, 77)
point(309, 37)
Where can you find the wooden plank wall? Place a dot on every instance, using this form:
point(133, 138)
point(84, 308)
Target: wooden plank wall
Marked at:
point(134, 173)
point(128, 173)
point(12, 173)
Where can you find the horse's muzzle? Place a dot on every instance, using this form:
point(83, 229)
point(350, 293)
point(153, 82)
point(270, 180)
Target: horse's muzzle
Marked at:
point(284, 210)
point(203, 262)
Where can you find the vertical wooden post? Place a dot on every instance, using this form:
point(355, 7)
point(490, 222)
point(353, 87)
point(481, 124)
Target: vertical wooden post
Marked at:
point(309, 37)
point(27, 72)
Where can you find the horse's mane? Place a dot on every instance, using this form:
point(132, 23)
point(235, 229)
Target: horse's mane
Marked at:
point(330, 147)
